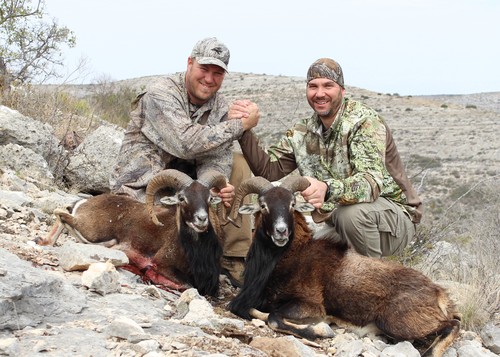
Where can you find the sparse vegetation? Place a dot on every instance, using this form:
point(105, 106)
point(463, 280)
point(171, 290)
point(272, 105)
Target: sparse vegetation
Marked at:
point(424, 162)
point(470, 221)
point(112, 102)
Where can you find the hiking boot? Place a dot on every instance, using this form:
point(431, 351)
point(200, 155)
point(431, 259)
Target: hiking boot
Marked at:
point(233, 268)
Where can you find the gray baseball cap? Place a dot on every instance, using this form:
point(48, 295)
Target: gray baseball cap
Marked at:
point(211, 51)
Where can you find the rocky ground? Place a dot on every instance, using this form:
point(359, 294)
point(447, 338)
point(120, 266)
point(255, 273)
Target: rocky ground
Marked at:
point(49, 308)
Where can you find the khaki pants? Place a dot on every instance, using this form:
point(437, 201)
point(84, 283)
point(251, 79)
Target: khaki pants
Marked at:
point(238, 240)
point(375, 229)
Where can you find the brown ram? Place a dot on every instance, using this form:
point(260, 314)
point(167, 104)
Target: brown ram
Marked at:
point(175, 246)
point(291, 279)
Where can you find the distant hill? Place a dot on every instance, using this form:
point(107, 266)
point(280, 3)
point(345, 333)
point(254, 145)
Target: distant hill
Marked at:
point(488, 100)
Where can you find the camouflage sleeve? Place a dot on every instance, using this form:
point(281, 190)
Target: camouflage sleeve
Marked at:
point(367, 160)
point(278, 162)
point(168, 125)
point(220, 160)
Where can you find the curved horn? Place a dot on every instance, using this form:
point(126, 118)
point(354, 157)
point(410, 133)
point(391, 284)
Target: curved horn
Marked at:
point(252, 185)
point(213, 178)
point(295, 183)
point(164, 179)
point(318, 216)
point(299, 183)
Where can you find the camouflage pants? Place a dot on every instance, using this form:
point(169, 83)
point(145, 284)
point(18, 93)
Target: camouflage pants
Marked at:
point(238, 240)
point(375, 229)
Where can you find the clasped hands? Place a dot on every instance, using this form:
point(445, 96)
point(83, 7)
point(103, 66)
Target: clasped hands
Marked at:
point(245, 110)
point(249, 114)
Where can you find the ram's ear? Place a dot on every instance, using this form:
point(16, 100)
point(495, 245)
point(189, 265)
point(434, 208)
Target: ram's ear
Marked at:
point(169, 200)
point(249, 208)
point(304, 207)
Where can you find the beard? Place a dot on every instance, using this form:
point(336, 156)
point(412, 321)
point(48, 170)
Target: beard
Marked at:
point(324, 113)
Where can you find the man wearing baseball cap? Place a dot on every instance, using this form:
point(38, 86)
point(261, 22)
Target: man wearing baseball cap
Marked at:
point(182, 122)
point(346, 150)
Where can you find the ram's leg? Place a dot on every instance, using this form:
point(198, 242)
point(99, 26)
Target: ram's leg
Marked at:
point(61, 217)
point(75, 233)
point(303, 319)
point(146, 268)
point(257, 314)
point(371, 330)
point(164, 282)
point(108, 243)
point(305, 330)
point(52, 236)
point(446, 337)
point(264, 316)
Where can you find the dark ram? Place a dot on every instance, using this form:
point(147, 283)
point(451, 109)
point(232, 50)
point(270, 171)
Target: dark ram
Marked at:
point(298, 283)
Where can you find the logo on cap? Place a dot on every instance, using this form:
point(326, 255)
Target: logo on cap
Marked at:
point(211, 51)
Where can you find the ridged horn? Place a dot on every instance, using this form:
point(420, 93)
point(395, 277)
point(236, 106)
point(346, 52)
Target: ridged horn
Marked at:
point(169, 178)
point(295, 183)
point(299, 183)
point(213, 178)
point(319, 217)
point(252, 185)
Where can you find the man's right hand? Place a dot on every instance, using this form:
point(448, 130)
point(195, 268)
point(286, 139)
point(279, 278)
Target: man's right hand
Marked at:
point(253, 117)
point(315, 193)
point(247, 111)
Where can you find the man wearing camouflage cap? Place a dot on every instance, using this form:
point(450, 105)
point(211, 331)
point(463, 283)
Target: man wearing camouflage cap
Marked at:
point(347, 152)
point(182, 122)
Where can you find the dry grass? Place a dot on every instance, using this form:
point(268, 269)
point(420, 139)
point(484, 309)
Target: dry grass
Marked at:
point(62, 111)
point(471, 260)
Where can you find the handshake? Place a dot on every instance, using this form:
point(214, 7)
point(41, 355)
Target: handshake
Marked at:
point(246, 111)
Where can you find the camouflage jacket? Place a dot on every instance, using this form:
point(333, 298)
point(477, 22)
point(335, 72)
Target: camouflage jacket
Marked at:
point(166, 131)
point(356, 157)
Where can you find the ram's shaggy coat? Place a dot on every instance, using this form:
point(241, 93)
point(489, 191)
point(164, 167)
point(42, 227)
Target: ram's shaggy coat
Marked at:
point(175, 247)
point(307, 281)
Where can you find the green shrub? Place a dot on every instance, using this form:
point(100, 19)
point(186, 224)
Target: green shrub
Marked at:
point(425, 162)
point(113, 105)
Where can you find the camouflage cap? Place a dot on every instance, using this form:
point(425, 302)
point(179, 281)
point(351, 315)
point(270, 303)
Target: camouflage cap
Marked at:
point(211, 51)
point(326, 68)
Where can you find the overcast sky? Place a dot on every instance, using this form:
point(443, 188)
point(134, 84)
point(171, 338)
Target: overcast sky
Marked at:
point(389, 46)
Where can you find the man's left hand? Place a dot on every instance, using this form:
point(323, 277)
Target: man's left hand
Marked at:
point(227, 195)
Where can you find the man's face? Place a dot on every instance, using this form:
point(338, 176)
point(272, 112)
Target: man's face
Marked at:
point(324, 96)
point(202, 81)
